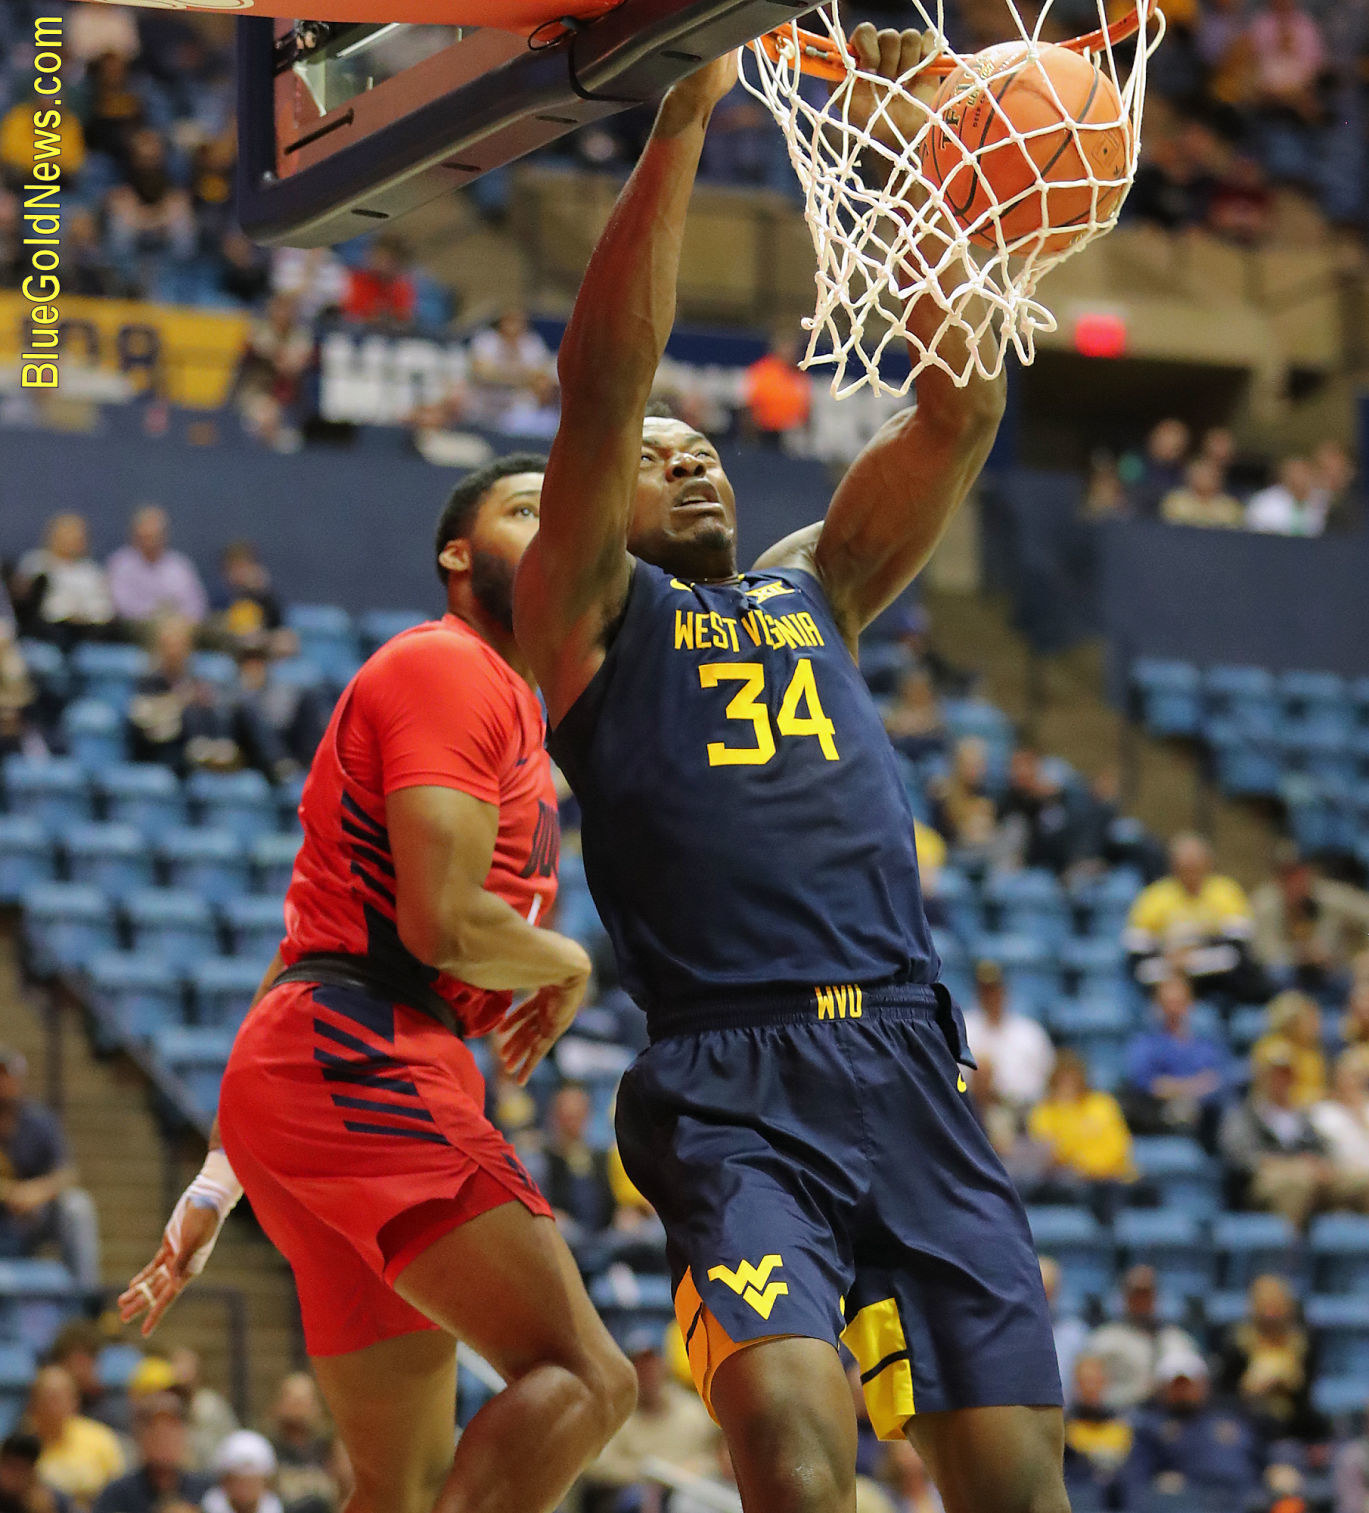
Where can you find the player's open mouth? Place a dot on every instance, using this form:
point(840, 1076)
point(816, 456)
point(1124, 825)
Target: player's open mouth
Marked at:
point(698, 495)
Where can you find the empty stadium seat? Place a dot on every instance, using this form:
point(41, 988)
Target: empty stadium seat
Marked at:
point(1099, 1030)
point(1181, 1170)
point(137, 994)
point(117, 1363)
point(1028, 965)
point(1245, 1026)
point(27, 856)
point(238, 801)
point(1340, 1330)
point(223, 989)
point(958, 898)
point(1303, 692)
point(211, 864)
point(1227, 685)
point(1170, 1241)
point(52, 790)
point(1249, 1244)
point(18, 1363)
point(1340, 1397)
point(196, 1058)
point(273, 860)
point(1339, 1244)
point(256, 926)
point(113, 858)
point(1104, 902)
point(1093, 965)
point(47, 667)
point(172, 926)
point(1246, 766)
point(1222, 1308)
point(36, 1298)
point(94, 733)
point(1170, 694)
point(1079, 1243)
point(145, 796)
point(379, 625)
point(109, 670)
point(1028, 903)
point(67, 924)
point(216, 667)
point(327, 637)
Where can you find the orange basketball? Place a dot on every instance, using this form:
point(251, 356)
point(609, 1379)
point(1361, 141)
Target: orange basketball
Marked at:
point(1041, 182)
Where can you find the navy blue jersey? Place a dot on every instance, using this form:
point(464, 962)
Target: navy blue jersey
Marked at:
point(743, 820)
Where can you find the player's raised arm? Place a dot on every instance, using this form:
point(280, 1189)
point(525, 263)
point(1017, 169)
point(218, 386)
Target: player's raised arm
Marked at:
point(574, 577)
point(897, 497)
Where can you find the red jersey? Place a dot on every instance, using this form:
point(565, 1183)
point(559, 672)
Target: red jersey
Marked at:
point(436, 706)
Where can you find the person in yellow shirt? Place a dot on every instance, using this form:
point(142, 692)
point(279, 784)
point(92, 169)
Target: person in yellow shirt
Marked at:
point(1295, 1032)
point(1085, 1133)
point(17, 138)
point(1198, 922)
point(80, 1456)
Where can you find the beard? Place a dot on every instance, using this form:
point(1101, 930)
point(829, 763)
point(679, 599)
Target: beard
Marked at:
point(492, 585)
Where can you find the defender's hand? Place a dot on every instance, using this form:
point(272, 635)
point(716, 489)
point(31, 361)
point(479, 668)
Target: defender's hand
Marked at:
point(157, 1286)
point(892, 55)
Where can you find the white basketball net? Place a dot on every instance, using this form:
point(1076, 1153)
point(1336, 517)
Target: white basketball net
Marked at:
point(883, 232)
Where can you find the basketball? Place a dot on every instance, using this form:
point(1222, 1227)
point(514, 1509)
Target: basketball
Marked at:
point(1054, 123)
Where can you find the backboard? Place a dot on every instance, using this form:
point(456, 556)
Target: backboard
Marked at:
point(346, 126)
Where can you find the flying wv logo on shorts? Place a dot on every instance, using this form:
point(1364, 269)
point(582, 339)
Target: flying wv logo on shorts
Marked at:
point(749, 1282)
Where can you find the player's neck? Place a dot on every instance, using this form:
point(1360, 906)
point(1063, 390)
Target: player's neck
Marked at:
point(490, 631)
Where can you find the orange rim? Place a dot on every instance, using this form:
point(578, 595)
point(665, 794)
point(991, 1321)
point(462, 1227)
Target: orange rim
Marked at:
point(820, 58)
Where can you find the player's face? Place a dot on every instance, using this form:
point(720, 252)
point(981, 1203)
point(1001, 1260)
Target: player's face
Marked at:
point(684, 516)
point(504, 525)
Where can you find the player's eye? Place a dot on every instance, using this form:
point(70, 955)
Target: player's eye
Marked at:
point(647, 458)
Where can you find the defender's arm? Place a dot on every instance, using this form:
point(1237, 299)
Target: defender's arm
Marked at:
point(574, 578)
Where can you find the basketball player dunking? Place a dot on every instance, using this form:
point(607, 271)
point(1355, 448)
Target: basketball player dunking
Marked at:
point(799, 1119)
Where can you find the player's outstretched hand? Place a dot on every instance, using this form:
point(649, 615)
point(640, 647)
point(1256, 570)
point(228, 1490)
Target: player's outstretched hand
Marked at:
point(530, 1030)
point(892, 55)
point(702, 89)
point(156, 1287)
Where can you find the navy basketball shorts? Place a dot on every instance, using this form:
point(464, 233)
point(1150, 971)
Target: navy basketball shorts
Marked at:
point(820, 1172)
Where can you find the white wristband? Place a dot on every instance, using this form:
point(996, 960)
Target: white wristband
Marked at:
point(215, 1188)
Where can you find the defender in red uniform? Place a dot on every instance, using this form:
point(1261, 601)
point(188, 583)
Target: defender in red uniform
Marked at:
point(352, 1112)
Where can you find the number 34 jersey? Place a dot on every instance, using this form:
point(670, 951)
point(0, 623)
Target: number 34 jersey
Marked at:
point(744, 822)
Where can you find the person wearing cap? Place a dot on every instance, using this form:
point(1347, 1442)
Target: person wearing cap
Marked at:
point(21, 1489)
point(1185, 1443)
point(1010, 1049)
point(245, 1466)
point(162, 1474)
point(1130, 1347)
point(1273, 1148)
point(40, 1202)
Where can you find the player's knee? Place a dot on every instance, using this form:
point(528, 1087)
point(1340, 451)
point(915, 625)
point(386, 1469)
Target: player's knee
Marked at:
point(794, 1455)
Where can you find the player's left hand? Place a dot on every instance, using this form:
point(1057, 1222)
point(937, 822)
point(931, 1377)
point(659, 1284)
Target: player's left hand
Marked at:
point(892, 55)
point(531, 1029)
point(702, 89)
point(190, 1233)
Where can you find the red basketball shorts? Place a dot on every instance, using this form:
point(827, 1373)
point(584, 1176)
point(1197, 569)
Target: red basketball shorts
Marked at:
point(357, 1129)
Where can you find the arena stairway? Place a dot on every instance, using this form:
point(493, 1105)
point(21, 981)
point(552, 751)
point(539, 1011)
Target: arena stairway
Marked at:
point(120, 1157)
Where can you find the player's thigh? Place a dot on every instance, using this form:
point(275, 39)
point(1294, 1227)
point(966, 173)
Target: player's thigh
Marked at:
point(785, 1406)
point(995, 1460)
point(506, 1283)
point(394, 1404)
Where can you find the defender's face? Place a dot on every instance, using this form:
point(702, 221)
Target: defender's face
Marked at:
point(508, 517)
point(684, 517)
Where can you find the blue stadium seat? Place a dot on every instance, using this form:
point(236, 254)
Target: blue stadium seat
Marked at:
point(53, 790)
point(1099, 1030)
point(1029, 968)
point(47, 667)
point(1028, 903)
point(1222, 1308)
point(1246, 766)
point(109, 671)
point(1079, 1243)
point(956, 971)
point(144, 795)
point(1245, 1026)
point(224, 987)
point(117, 1363)
point(18, 1362)
point(1358, 694)
point(137, 994)
point(256, 926)
point(1182, 1171)
point(172, 926)
point(238, 801)
point(216, 667)
point(1339, 1244)
point(959, 898)
point(67, 924)
point(1340, 1329)
point(1226, 685)
point(379, 625)
point(273, 860)
point(27, 856)
point(1093, 965)
point(197, 1058)
point(327, 637)
point(94, 733)
point(1104, 902)
point(1304, 692)
point(36, 1298)
point(1341, 1397)
point(1171, 700)
point(1250, 1244)
point(289, 791)
point(113, 858)
point(211, 864)
point(1170, 1241)
point(299, 672)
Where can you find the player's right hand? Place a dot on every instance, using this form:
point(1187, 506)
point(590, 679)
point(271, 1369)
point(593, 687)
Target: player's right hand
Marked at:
point(189, 1235)
point(707, 85)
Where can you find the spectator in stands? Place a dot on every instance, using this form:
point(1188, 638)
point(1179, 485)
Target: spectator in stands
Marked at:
point(244, 273)
point(1273, 1149)
point(1131, 1347)
point(39, 1199)
point(1266, 1365)
point(1186, 1445)
point(1342, 1119)
point(1304, 923)
point(1352, 1475)
point(16, 143)
point(962, 810)
point(1334, 471)
point(381, 291)
point(1160, 469)
point(575, 1175)
point(86, 267)
point(301, 1447)
point(80, 1457)
point(1176, 1081)
point(1354, 1021)
point(162, 1474)
point(277, 726)
point(147, 578)
point(109, 106)
point(1195, 921)
point(175, 717)
point(245, 1465)
point(1291, 506)
point(243, 600)
point(1294, 1022)
point(1013, 1051)
point(1201, 499)
point(209, 1419)
point(17, 690)
point(1172, 188)
point(913, 718)
point(1069, 1329)
point(77, 1350)
point(314, 277)
point(1289, 55)
point(21, 1489)
point(777, 393)
point(63, 592)
point(1086, 1134)
point(669, 1423)
point(1240, 207)
point(148, 217)
point(1098, 1435)
point(269, 385)
point(1035, 825)
point(512, 378)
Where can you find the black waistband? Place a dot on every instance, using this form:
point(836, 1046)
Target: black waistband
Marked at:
point(339, 970)
point(795, 1006)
